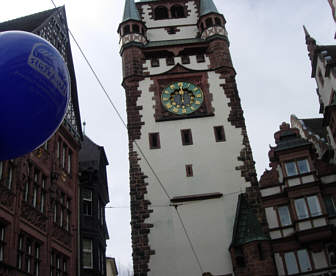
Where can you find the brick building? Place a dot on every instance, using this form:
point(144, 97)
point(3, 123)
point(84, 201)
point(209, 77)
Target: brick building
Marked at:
point(39, 191)
point(93, 199)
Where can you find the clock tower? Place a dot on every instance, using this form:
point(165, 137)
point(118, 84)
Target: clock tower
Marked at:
point(189, 152)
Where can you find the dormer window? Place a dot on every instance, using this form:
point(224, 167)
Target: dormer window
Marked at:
point(209, 22)
point(135, 28)
point(161, 13)
point(127, 30)
point(297, 167)
point(177, 11)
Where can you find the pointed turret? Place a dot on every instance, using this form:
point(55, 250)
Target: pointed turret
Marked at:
point(211, 22)
point(130, 11)
point(132, 29)
point(206, 7)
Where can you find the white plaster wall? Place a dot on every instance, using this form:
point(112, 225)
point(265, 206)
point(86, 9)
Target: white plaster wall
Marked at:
point(156, 28)
point(163, 67)
point(162, 34)
point(305, 225)
point(191, 19)
point(308, 179)
point(209, 223)
point(319, 222)
point(288, 232)
point(294, 182)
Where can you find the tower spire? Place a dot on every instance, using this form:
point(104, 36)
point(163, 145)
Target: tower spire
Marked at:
point(207, 6)
point(130, 11)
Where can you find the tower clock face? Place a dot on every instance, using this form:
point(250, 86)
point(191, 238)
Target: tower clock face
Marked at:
point(182, 98)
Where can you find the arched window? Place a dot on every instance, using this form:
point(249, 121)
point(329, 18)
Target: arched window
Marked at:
point(136, 28)
point(177, 11)
point(161, 13)
point(218, 21)
point(208, 22)
point(202, 26)
point(127, 29)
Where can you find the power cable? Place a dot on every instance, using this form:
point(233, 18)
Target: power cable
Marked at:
point(135, 142)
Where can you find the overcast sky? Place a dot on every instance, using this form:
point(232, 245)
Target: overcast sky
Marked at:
point(269, 54)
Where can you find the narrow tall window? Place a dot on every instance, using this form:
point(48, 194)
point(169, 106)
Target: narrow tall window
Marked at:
point(177, 11)
point(186, 137)
point(26, 191)
point(135, 28)
point(1, 169)
point(28, 256)
point(58, 266)
point(63, 156)
point(161, 13)
point(304, 260)
point(218, 21)
point(2, 242)
point(284, 216)
point(301, 208)
point(58, 152)
point(10, 177)
point(87, 253)
point(154, 140)
point(61, 217)
point(35, 196)
point(189, 171)
point(87, 202)
point(208, 22)
point(291, 264)
point(170, 61)
point(314, 206)
point(37, 260)
point(219, 133)
point(55, 212)
point(20, 253)
point(69, 161)
point(127, 29)
point(185, 59)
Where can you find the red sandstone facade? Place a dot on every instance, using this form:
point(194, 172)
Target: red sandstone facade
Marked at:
point(39, 191)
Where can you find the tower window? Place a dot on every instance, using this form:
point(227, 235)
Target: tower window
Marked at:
point(135, 28)
point(200, 58)
point(189, 171)
point(219, 133)
point(209, 22)
point(185, 59)
point(155, 62)
point(186, 137)
point(154, 140)
point(177, 11)
point(202, 26)
point(218, 21)
point(161, 13)
point(170, 61)
point(127, 29)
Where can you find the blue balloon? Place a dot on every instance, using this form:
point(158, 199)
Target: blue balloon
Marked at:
point(34, 92)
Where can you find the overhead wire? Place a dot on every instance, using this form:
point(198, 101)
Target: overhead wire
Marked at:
point(137, 145)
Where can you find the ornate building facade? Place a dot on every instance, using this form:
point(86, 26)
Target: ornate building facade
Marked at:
point(93, 199)
point(189, 152)
point(39, 191)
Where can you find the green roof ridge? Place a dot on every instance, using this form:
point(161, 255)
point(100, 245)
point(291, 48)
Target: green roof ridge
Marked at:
point(130, 12)
point(247, 227)
point(207, 6)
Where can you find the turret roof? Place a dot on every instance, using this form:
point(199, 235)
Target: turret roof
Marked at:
point(207, 6)
point(131, 12)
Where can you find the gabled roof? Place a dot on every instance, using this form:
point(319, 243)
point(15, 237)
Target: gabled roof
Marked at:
point(207, 6)
point(247, 228)
point(34, 23)
point(130, 11)
point(27, 23)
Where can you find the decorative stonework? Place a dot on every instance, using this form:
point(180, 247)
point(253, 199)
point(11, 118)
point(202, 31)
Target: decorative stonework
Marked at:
point(133, 38)
point(61, 235)
point(214, 30)
point(7, 198)
point(32, 215)
point(162, 81)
